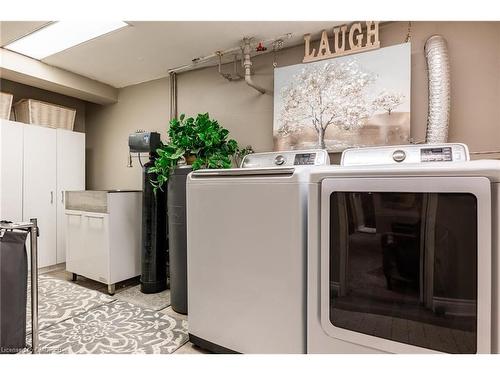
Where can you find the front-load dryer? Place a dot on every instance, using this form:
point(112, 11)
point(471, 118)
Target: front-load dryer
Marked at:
point(246, 243)
point(403, 252)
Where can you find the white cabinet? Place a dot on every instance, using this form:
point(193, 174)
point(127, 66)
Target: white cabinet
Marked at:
point(11, 171)
point(39, 188)
point(70, 176)
point(104, 235)
point(37, 164)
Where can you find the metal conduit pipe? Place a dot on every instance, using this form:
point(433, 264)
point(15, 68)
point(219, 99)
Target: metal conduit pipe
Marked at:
point(247, 64)
point(173, 95)
point(200, 62)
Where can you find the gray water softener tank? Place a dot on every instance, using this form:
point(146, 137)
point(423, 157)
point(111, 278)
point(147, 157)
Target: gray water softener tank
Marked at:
point(178, 238)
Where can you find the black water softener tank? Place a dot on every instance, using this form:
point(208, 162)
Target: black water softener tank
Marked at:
point(154, 252)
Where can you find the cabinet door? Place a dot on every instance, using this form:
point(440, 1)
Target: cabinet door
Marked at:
point(74, 240)
point(70, 176)
point(39, 188)
point(95, 262)
point(11, 171)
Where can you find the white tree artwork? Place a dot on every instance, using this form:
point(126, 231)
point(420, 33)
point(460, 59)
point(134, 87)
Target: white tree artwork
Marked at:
point(324, 95)
point(343, 102)
point(388, 101)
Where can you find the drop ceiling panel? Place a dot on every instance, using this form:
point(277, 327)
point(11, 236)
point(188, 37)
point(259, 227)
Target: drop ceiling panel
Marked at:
point(13, 30)
point(146, 50)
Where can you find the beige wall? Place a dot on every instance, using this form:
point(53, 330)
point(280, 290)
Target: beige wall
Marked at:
point(144, 106)
point(21, 91)
point(475, 68)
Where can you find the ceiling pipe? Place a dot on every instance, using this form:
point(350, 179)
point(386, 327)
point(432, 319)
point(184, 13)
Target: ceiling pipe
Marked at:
point(247, 64)
point(200, 61)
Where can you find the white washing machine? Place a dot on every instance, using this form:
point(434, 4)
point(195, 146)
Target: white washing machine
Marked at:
point(246, 243)
point(403, 252)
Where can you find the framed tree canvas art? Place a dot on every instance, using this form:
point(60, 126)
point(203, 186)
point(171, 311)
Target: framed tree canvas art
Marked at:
point(351, 101)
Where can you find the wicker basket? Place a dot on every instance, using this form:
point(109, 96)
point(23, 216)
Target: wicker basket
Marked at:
point(36, 112)
point(5, 105)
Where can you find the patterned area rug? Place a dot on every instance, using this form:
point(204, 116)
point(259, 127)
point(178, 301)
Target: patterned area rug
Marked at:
point(116, 328)
point(59, 300)
point(74, 319)
point(156, 301)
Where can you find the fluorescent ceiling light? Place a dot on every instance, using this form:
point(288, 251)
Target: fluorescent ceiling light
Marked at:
point(61, 35)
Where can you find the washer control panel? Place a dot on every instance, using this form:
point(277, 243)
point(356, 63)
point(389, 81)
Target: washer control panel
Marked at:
point(286, 159)
point(305, 159)
point(404, 154)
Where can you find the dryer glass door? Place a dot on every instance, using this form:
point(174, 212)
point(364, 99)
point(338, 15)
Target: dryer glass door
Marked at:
point(403, 266)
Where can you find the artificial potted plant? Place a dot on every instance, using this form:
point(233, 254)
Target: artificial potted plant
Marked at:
point(202, 143)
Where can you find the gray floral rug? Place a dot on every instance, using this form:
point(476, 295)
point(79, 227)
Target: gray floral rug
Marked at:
point(59, 300)
point(75, 319)
point(115, 328)
point(156, 301)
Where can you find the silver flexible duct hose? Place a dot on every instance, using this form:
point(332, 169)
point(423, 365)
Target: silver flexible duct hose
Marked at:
point(438, 66)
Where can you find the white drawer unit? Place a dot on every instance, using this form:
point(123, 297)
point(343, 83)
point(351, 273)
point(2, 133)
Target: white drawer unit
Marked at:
point(103, 235)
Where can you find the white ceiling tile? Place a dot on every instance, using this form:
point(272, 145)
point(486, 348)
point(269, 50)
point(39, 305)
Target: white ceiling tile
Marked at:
point(147, 50)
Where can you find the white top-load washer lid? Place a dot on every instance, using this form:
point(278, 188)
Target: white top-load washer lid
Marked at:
point(270, 164)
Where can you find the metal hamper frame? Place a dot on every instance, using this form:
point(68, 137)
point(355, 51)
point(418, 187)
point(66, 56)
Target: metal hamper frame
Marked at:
point(32, 228)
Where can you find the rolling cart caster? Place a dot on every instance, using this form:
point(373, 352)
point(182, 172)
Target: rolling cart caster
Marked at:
point(111, 289)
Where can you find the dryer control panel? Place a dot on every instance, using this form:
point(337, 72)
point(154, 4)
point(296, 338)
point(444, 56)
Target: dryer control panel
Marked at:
point(404, 154)
point(286, 159)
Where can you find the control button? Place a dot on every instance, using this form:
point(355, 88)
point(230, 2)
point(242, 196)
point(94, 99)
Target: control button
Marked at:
point(279, 160)
point(399, 156)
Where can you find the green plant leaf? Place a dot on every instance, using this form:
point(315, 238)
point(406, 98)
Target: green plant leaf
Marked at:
point(200, 136)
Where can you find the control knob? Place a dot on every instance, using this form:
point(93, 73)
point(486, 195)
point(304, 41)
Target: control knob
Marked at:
point(399, 156)
point(279, 160)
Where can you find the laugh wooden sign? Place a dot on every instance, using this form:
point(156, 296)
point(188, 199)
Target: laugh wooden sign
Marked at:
point(346, 40)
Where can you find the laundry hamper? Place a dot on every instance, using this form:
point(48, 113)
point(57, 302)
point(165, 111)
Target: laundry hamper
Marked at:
point(13, 291)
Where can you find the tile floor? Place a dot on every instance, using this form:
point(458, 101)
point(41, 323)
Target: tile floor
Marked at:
point(187, 348)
